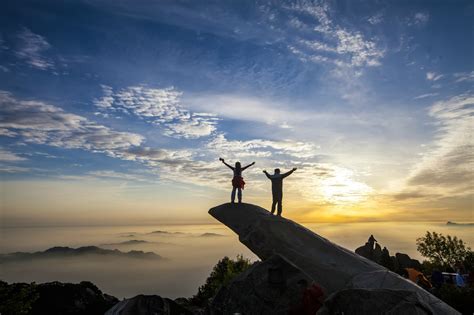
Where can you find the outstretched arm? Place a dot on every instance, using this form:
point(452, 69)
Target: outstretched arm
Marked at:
point(222, 160)
point(268, 175)
point(288, 173)
point(243, 168)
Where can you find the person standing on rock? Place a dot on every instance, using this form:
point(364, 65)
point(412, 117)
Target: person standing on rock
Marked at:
point(237, 181)
point(277, 188)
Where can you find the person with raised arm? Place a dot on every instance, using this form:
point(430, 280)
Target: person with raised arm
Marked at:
point(237, 181)
point(277, 188)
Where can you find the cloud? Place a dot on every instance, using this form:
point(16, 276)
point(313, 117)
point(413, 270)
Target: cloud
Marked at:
point(351, 48)
point(31, 48)
point(375, 19)
point(433, 76)
point(447, 165)
point(421, 18)
point(425, 96)
point(262, 148)
point(7, 156)
point(42, 123)
point(464, 76)
point(160, 107)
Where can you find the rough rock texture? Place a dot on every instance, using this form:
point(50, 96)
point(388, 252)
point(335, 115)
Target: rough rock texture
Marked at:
point(268, 287)
point(146, 305)
point(331, 266)
point(375, 302)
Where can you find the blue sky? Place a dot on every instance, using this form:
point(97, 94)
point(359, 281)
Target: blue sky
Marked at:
point(371, 100)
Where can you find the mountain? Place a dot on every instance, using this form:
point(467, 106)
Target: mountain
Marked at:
point(130, 242)
point(67, 252)
point(459, 224)
point(211, 235)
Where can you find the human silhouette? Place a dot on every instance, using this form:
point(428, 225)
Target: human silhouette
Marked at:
point(277, 188)
point(237, 181)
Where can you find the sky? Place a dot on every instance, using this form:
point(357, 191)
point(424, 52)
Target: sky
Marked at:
point(116, 112)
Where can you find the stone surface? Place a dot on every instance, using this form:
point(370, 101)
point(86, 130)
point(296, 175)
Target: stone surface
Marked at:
point(331, 266)
point(268, 287)
point(147, 305)
point(374, 302)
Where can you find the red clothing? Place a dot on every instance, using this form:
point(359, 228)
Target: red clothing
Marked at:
point(238, 182)
point(311, 297)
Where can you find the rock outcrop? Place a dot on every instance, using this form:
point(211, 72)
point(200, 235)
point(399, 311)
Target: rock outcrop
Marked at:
point(375, 302)
point(396, 263)
point(331, 266)
point(268, 287)
point(146, 305)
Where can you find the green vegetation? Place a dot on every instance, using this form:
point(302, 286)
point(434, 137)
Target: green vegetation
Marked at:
point(442, 251)
point(223, 272)
point(17, 298)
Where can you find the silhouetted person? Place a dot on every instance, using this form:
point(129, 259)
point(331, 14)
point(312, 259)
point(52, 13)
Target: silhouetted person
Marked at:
point(277, 188)
point(237, 181)
point(372, 241)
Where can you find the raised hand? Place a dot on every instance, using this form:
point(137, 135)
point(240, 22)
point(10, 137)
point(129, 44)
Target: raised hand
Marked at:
point(294, 168)
point(221, 159)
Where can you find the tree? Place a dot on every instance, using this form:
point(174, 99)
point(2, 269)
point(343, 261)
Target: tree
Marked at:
point(442, 251)
point(224, 271)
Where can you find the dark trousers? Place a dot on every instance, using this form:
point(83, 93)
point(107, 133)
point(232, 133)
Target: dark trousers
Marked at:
point(277, 203)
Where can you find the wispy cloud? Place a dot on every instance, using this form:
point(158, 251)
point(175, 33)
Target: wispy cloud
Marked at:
point(351, 48)
point(31, 48)
point(7, 156)
point(464, 76)
point(433, 76)
point(446, 167)
point(160, 107)
point(425, 96)
point(262, 148)
point(421, 18)
point(42, 123)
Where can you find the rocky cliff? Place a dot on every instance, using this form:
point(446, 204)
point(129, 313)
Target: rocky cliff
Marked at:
point(331, 266)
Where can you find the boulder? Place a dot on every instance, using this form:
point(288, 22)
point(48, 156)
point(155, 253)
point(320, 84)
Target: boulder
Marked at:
point(404, 261)
point(331, 266)
point(268, 287)
point(375, 302)
point(146, 305)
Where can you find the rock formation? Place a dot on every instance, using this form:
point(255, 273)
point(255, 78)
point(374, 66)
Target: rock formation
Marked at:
point(331, 266)
point(268, 287)
point(147, 305)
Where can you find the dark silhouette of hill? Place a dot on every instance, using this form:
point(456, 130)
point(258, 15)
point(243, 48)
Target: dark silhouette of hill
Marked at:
point(68, 252)
point(130, 242)
point(459, 224)
point(211, 235)
point(160, 232)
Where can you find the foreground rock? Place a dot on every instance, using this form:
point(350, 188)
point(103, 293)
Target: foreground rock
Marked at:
point(375, 302)
point(147, 305)
point(53, 298)
point(268, 287)
point(331, 266)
